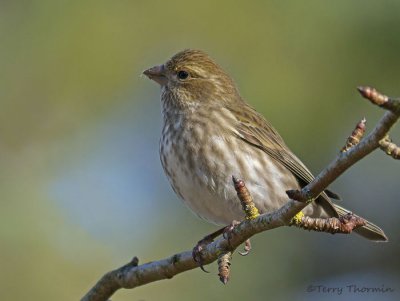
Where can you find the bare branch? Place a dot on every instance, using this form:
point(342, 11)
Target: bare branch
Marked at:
point(131, 275)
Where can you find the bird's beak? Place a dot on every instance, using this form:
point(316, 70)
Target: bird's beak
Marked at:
point(156, 73)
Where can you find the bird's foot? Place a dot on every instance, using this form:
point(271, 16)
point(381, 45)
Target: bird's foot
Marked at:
point(201, 244)
point(229, 230)
point(228, 233)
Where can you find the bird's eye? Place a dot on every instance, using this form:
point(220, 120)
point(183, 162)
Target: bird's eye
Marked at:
point(183, 74)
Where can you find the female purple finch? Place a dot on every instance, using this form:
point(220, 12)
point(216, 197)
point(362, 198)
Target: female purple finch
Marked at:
point(211, 134)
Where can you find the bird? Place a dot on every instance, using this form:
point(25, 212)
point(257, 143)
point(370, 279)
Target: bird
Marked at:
point(210, 133)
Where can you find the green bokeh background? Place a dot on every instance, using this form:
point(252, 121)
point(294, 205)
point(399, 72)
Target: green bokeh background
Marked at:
point(82, 189)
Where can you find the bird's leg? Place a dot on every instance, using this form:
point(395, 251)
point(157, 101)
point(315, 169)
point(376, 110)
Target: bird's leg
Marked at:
point(201, 244)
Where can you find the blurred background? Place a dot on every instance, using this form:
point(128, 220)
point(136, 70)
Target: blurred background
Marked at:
point(82, 188)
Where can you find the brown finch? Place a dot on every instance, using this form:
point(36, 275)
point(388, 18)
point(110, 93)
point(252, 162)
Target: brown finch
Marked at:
point(211, 134)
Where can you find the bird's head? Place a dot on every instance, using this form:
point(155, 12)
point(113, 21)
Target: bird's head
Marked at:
point(192, 76)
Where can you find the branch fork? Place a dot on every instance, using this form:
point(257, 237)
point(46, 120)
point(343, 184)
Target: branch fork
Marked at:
point(133, 275)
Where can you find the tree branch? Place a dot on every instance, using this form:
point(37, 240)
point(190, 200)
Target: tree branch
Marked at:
point(133, 275)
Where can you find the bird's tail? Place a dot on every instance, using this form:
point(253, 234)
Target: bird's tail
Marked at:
point(369, 231)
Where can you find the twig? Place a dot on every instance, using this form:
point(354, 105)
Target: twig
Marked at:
point(390, 148)
point(380, 99)
point(355, 136)
point(131, 276)
point(245, 198)
point(224, 267)
point(345, 224)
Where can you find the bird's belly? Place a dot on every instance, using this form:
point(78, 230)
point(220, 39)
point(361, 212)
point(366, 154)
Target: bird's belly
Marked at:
point(202, 177)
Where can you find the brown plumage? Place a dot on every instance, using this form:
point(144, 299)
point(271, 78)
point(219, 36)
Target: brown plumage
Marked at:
point(211, 134)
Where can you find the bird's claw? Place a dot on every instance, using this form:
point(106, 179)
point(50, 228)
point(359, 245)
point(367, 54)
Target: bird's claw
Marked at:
point(227, 233)
point(201, 244)
point(247, 248)
point(196, 252)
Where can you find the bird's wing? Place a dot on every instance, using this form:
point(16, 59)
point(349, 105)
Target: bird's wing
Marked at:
point(255, 130)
